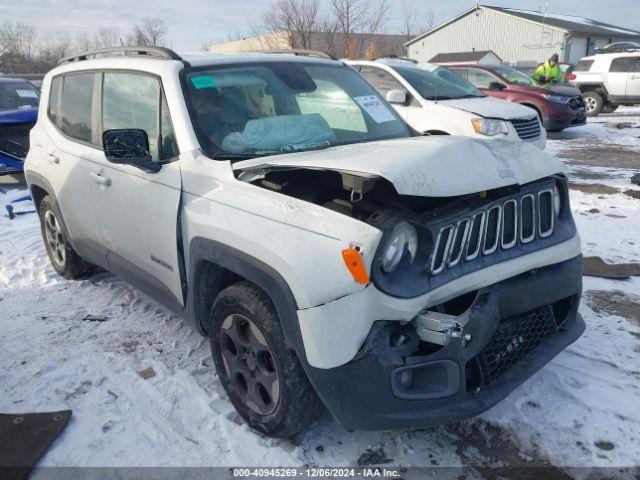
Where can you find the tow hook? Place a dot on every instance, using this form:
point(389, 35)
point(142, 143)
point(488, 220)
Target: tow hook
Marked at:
point(441, 328)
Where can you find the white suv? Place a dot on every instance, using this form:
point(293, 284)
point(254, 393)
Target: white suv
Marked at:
point(433, 99)
point(608, 80)
point(284, 208)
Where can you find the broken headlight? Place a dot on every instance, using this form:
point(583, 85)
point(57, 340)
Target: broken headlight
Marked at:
point(490, 126)
point(403, 240)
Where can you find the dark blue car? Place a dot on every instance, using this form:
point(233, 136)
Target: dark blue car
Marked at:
point(19, 101)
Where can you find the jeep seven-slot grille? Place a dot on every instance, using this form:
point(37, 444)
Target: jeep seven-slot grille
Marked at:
point(500, 226)
point(528, 128)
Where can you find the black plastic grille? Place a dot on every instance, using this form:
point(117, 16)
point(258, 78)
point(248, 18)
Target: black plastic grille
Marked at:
point(545, 203)
point(527, 219)
point(527, 129)
point(514, 338)
point(491, 229)
point(509, 227)
point(576, 102)
point(498, 226)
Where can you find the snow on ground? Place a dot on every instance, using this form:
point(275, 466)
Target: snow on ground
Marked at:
point(580, 410)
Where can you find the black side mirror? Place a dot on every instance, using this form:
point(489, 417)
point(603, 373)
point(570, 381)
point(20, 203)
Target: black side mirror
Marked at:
point(497, 86)
point(130, 147)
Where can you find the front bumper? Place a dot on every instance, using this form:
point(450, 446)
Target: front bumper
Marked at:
point(454, 382)
point(562, 117)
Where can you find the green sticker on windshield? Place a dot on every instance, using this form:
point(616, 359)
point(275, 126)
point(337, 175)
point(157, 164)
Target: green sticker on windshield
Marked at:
point(203, 81)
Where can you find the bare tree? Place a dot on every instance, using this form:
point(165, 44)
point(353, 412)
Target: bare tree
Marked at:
point(415, 22)
point(350, 17)
point(106, 37)
point(151, 32)
point(296, 19)
point(17, 39)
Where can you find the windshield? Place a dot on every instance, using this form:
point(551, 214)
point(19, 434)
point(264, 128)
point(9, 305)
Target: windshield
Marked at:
point(281, 107)
point(513, 76)
point(439, 84)
point(14, 95)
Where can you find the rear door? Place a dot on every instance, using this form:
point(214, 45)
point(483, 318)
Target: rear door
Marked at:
point(137, 211)
point(69, 144)
point(619, 72)
point(633, 82)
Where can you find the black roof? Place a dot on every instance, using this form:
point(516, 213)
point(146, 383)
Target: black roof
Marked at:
point(569, 22)
point(460, 57)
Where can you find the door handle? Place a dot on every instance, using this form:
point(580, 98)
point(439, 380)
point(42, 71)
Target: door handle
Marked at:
point(51, 158)
point(101, 179)
point(635, 77)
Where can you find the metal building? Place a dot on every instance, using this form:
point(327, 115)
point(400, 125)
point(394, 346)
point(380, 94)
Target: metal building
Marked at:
point(522, 38)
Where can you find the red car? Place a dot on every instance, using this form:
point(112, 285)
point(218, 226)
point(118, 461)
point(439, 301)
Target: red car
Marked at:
point(559, 106)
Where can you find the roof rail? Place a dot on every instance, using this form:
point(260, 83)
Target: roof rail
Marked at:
point(151, 52)
point(297, 52)
point(619, 47)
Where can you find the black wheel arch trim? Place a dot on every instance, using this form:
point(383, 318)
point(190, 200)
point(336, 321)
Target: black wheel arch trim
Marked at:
point(251, 269)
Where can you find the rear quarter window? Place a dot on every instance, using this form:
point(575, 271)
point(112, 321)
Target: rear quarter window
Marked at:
point(54, 99)
point(583, 66)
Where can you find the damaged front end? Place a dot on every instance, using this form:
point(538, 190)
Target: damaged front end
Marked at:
point(475, 282)
point(457, 359)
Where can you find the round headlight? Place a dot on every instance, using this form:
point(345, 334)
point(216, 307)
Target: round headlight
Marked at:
point(557, 199)
point(403, 238)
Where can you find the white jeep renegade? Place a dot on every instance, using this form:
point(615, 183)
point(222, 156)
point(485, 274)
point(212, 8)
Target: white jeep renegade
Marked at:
point(333, 258)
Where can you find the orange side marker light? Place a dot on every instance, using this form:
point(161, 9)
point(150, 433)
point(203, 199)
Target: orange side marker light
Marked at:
point(353, 261)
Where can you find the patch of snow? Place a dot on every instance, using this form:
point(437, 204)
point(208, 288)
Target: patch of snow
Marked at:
point(50, 359)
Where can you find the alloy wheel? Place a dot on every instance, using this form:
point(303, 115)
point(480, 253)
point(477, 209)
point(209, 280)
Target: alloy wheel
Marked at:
point(55, 238)
point(249, 364)
point(591, 104)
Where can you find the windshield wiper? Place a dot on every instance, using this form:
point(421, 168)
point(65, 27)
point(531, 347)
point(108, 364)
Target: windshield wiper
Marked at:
point(232, 156)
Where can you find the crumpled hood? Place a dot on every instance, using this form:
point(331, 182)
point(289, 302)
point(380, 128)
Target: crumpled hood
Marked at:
point(430, 166)
point(490, 107)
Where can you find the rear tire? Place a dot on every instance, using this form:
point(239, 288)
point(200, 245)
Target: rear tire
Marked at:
point(594, 103)
point(64, 259)
point(261, 375)
point(609, 108)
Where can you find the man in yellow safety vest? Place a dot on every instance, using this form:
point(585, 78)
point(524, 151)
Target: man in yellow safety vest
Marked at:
point(549, 72)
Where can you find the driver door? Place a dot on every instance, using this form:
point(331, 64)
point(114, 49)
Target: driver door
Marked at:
point(137, 211)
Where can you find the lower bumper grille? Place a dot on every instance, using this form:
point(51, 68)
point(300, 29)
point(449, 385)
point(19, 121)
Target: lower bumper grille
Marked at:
point(514, 338)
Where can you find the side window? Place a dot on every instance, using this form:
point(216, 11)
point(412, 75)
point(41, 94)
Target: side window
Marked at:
point(131, 100)
point(54, 99)
point(583, 66)
point(636, 67)
point(76, 109)
point(167, 135)
point(479, 78)
point(460, 71)
point(382, 81)
point(623, 64)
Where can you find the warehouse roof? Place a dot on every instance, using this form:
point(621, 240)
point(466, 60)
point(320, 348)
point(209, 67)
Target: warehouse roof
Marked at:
point(461, 57)
point(569, 23)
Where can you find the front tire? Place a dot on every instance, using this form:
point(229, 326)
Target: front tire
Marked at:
point(261, 375)
point(64, 259)
point(594, 103)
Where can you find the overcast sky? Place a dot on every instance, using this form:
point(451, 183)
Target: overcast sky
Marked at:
point(195, 22)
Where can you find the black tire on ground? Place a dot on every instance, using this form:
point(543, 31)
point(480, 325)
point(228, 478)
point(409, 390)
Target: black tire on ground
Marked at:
point(261, 375)
point(62, 256)
point(594, 103)
point(609, 108)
